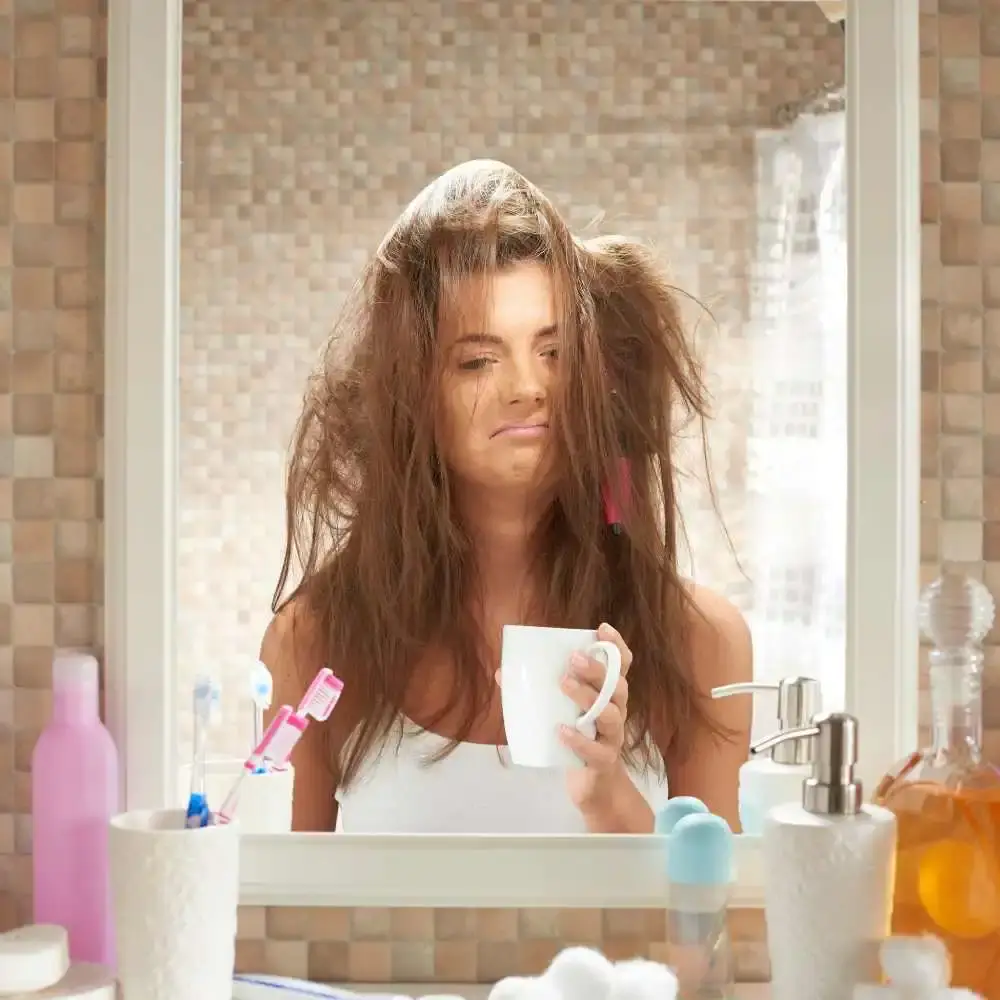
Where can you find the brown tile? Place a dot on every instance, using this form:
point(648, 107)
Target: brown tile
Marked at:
point(250, 956)
point(496, 959)
point(251, 923)
point(496, 925)
point(369, 962)
point(961, 371)
point(624, 923)
point(961, 242)
point(412, 924)
point(327, 961)
point(534, 956)
point(621, 949)
point(454, 924)
point(959, 35)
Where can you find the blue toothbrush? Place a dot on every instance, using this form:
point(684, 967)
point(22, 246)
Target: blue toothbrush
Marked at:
point(207, 707)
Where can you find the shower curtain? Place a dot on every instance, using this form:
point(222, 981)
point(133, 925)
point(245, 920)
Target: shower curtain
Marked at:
point(795, 532)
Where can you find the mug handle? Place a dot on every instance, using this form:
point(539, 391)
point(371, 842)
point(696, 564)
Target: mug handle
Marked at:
point(613, 657)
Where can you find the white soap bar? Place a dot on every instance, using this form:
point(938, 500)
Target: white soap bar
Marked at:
point(82, 982)
point(32, 958)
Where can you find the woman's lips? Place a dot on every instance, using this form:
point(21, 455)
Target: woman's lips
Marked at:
point(522, 431)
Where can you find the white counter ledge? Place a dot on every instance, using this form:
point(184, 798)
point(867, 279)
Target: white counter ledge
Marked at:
point(744, 991)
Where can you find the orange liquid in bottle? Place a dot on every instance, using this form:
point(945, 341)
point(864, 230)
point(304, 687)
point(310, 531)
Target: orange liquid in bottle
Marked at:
point(948, 874)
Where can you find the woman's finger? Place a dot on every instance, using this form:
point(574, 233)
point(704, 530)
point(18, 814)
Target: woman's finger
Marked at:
point(611, 726)
point(611, 634)
point(591, 672)
point(583, 694)
point(593, 753)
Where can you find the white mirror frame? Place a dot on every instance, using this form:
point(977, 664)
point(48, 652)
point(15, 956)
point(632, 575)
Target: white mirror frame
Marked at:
point(141, 346)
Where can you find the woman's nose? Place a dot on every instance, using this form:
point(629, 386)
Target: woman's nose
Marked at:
point(526, 380)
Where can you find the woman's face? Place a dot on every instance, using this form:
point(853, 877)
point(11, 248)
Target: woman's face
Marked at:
point(501, 356)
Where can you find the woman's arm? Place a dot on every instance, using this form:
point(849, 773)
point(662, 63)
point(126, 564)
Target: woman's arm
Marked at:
point(289, 651)
point(721, 653)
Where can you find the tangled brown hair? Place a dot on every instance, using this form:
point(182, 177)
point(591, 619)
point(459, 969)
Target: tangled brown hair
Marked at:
point(387, 567)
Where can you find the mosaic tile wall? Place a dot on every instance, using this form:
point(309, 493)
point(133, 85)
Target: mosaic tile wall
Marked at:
point(960, 210)
point(51, 279)
point(51, 205)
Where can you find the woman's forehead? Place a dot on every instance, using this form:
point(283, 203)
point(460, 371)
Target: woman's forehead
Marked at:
point(517, 300)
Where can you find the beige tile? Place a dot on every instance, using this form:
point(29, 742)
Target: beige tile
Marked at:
point(414, 924)
point(371, 962)
point(286, 958)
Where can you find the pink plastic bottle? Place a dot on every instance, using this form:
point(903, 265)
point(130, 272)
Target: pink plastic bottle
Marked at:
point(74, 793)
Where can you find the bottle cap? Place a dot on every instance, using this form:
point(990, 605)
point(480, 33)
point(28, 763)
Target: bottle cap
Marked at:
point(675, 810)
point(700, 851)
point(74, 669)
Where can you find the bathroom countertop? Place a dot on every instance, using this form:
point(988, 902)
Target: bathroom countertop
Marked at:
point(744, 991)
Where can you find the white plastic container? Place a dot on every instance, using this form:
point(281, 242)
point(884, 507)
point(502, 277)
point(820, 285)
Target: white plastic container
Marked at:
point(775, 772)
point(829, 865)
point(175, 894)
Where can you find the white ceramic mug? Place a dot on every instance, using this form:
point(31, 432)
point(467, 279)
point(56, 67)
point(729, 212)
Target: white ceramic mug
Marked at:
point(533, 661)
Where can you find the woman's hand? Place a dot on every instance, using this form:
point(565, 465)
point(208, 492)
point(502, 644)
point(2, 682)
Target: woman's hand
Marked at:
point(602, 790)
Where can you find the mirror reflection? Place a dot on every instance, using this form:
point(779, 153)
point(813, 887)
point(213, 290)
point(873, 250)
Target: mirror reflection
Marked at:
point(513, 394)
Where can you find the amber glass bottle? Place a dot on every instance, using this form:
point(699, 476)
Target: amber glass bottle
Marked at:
point(947, 798)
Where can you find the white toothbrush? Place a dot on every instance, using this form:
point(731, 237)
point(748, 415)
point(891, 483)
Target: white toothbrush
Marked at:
point(261, 693)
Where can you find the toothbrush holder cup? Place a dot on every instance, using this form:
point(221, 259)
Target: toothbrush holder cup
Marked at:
point(175, 895)
point(265, 804)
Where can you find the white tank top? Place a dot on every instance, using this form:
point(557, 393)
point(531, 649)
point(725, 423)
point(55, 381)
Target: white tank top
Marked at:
point(475, 789)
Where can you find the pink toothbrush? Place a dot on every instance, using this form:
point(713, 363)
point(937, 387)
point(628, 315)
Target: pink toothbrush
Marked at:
point(284, 732)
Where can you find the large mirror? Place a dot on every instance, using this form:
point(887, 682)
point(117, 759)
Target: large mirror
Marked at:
point(708, 136)
point(496, 324)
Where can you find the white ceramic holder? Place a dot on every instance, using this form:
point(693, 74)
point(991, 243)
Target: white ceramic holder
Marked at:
point(175, 894)
point(265, 804)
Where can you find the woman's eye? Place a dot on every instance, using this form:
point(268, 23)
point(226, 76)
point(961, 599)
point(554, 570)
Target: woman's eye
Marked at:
point(474, 364)
point(552, 353)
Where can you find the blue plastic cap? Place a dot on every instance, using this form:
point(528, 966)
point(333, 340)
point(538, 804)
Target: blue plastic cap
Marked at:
point(675, 810)
point(700, 851)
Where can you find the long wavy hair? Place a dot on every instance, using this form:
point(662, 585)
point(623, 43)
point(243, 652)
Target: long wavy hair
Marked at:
point(384, 565)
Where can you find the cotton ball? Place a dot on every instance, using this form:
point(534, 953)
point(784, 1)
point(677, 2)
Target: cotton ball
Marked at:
point(523, 988)
point(580, 974)
point(916, 962)
point(643, 980)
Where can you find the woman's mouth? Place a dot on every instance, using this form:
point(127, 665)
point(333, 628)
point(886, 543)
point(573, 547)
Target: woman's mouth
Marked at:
point(522, 431)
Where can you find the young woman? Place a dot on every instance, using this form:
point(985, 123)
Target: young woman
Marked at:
point(446, 479)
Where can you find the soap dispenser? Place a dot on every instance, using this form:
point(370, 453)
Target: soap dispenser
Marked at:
point(828, 866)
point(769, 779)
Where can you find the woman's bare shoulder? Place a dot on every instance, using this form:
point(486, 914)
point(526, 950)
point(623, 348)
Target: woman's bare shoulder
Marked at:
point(721, 648)
point(292, 647)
